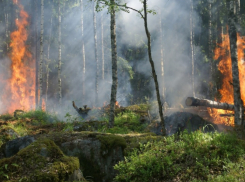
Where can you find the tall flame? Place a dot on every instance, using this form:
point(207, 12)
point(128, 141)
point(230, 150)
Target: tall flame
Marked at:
point(222, 52)
point(19, 92)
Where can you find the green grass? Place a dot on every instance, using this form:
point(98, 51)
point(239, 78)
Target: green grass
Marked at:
point(188, 157)
point(125, 123)
point(39, 116)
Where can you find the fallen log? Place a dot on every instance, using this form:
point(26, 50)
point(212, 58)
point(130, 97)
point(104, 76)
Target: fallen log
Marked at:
point(193, 101)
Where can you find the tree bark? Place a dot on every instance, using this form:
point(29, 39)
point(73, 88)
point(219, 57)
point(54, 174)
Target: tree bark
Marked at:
point(96, 55)
point(114, 64)
point(6, 9)
point(59, 58)
point(162, 57)
point(193, 101)
point(102, 47)
point(153, 69)
point(41, 59)
point(232, 21)
point(192, 50)
point(210, 51)
point(83, 54)
point(48, 53)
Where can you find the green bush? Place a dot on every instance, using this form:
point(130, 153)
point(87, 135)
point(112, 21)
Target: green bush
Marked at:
point(39, 116)
point(186, 157)
point(126, 122)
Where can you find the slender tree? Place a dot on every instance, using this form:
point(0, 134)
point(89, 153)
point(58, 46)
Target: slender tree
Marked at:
point(6, 14)
point(83, 53)
point(154, 75)
point(48, 54)
point(162, 55)
point(96, 55)
point(232, 24)
point(210, 50)
point(192, 50)
point(59, 57)
point(102, 47)
point(41, 59)
point(114, 63)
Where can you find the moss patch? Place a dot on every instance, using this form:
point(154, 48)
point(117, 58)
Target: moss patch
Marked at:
point(40, 161)
point(108, 142)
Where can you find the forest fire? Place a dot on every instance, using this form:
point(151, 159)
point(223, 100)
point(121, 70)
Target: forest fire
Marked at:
point(223, 52)
point(19, 90)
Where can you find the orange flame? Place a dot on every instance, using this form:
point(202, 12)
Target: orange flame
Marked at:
point(19, 90)
point(222, 51)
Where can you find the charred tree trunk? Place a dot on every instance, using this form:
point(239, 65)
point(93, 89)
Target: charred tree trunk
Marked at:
point(153, 68)
point(83, 54)
point(192, 50)
point(96, 56)
point(114, 64)
point(36, 56)
point(41, 60)
point(232, 21)
point(193, 101)
point(59, 58)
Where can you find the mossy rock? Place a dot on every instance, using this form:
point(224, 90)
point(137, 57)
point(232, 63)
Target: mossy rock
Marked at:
point(40, 161)
point(108, 142)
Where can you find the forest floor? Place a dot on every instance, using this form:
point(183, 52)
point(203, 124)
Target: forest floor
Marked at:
point(194, 156)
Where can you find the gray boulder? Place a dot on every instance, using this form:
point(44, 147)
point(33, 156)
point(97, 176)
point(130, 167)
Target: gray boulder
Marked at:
point(14, 146)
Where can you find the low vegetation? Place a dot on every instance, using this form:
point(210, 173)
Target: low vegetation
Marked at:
point(188, 157)
point(195, 156)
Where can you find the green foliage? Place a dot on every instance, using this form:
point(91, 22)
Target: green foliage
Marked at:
point(188, 157)
point(123, 66)
point(39, 116)
point(6, 117)
point(126, 122)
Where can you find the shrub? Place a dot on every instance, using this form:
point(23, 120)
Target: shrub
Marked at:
point(187, 157)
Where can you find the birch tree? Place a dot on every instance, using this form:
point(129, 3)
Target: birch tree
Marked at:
point(59, 57)
point(83, 53)
point(102, 47)
point(48, 54)
point(41, 59)
point(162, 56)
point(192, 49)
point(96, 54)
point(232, 24)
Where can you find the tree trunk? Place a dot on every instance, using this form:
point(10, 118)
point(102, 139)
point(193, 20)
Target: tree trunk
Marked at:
point(162, 57)
point(193, 101)
point(192, 50)
point(102, 47)
point(59, 58)
point(210, 53)
point(48, 53)
point(153, 69)
point(96, 55)
point(36, 56)
point(41, 60)
point(83, 54)
point(114, 64)
point(232, 21)
point(6, 26)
